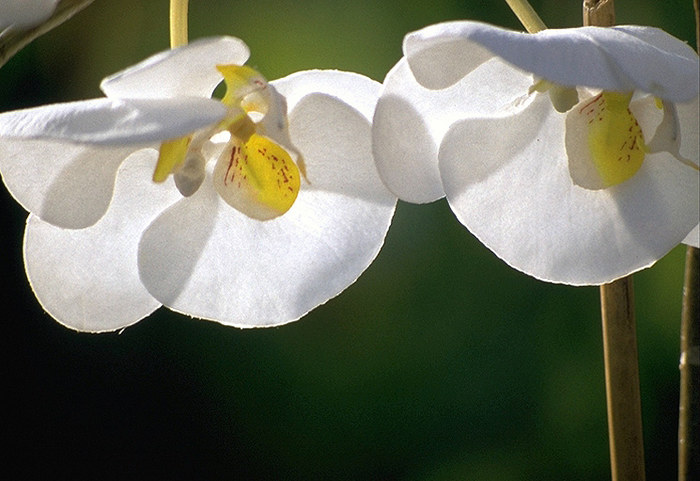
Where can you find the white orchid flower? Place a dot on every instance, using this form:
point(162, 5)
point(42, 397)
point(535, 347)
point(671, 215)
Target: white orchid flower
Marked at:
point(25, 13)
point(273, 207)
point(572, 154)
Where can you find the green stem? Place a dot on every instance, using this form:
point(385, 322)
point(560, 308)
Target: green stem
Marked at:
point(689, 406)
point(178, 23)
point(12, 42)
point(527, 15)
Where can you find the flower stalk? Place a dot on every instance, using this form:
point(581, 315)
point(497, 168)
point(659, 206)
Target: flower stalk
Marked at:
point(622, 380)
point(527, 15)
point(622, 391)
point(689, 415)
point(689, 366)
point(178, 23)
point(599, 13)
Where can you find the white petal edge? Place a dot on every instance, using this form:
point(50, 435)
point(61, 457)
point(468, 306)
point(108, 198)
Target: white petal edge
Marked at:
point(520, 202)
point(113, 121)
point(410, 121)
point(693, 239)
point(88, 279)
point(619, 58)
point(237, 271)
point(189, 70)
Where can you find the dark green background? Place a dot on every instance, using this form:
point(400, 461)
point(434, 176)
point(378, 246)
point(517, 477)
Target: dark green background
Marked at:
point(439, 363)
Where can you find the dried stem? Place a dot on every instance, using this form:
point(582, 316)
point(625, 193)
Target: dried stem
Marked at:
point(622, 381)
point(600, 13)
point(697, 25)
point(689, 403)
point(689, 406)
point(619, 341)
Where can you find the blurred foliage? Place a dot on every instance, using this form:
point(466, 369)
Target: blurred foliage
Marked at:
point(439, 363)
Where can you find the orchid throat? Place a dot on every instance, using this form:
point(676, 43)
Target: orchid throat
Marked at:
point(253, 173)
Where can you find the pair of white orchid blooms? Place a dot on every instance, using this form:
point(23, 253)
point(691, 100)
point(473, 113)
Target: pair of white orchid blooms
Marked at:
point(572, 154)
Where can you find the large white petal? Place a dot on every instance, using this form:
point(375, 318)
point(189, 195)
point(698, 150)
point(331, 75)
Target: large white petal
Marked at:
point(689, 123)
point(204, 258)
point(619, 58)
point(68, 185)
point(517, 197)
point(88, 279)
point(113, 121)
point(352, 88)
point(189, 70)
point(25, 13)
point(410, 121)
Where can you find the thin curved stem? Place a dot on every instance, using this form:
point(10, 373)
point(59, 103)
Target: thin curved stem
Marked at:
point(178, 23)
point(527, 15)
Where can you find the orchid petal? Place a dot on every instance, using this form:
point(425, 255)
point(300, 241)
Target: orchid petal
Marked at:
point(88, 279)
point(257, 177)
point(410, 121)
point(189, 70)
point(693, 239)
point(67, 185)
point(23, 14)
point(618, 58)
point(605, 144)
point(353, 89)
point(519, 200)
point(113, 121)
point(247, 273)
point(689, 124)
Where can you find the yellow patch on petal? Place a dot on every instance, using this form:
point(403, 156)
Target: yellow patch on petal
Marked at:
point(242, 81)
point(257, 177)
point(615, 140)
point(171, 155)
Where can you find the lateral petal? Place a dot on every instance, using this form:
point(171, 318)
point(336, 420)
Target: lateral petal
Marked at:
point(410, 121)
point(618, 58)
point(67, 185)
point(189, 70)
point(113, 121)
point(88, 279)
point(520, 201)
